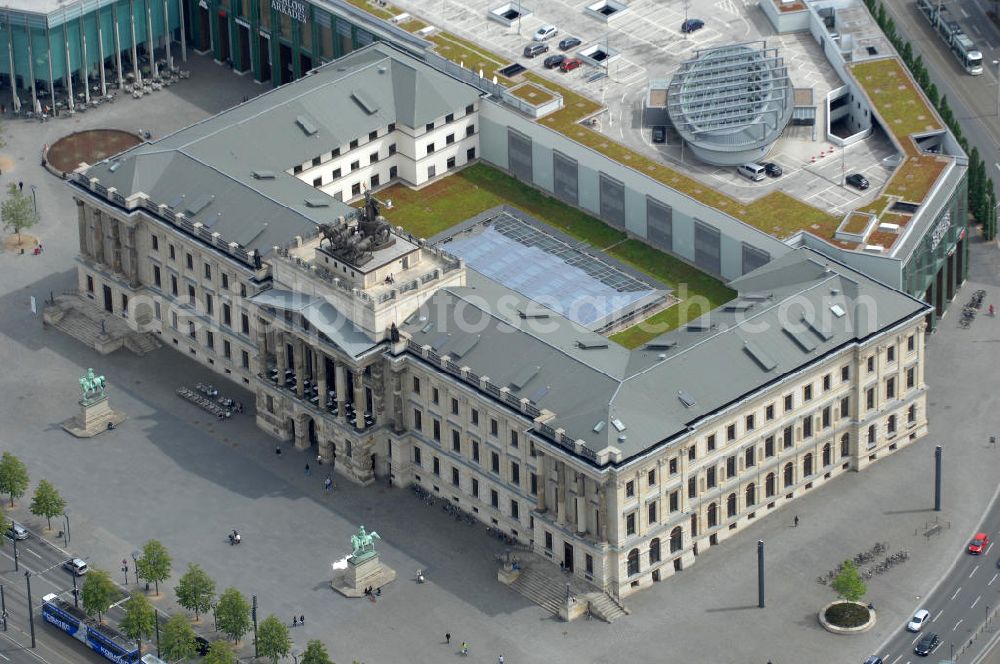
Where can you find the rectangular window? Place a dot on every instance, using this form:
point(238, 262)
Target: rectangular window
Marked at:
point(391, 128)
point(189, 259)
point(316, 161)
point(475, 451)
point(786, 438)
point(890, 388)
point(156, 244)
point(429, 126)
point(494, 427)
point(475, 487)
point(456, 441)
point(692, 452)
point(911, 343)
point(334, 153)
point(911, 377)
point(227, 350)
point(210, 339)
point(651, 477)
point(750, 457)
point(449, 118)
point(515, 510)
point(227, 315)
point(513, 439)
point(710, 443)
point(416, 455)
point(173, 254)
point(494, 499)
point(454, 406)
point(710, 477)
point(244, 359)
point(827, 381)
point(826, 417)
point(430, 148)
point(890, 354)
point(449, 139)
point(318, 182)
point(769, 447)
point(871, 364)
point(156, 279)
point(515, 473)
point(191, 295)
point(373, 181)
point(651, 512)
point(356, 189)
point(209, 305)
point(533, 479)
point(90, 284)
point(470, 130)
point(672, 466)
point(630, 489)
point(495, 462)
point(355, 165)
point(845, 407)
point(336, 174)
point(548, 541)
point(436, 430)
point(675, 501)
point(417, 419)
point(750, 422)
point(454, 477)
point(807, 427)
point(245, 323)
point(692, 487)
point(807, 393)
point(354, 144)
point(731, 466)
point(372, 135)
point(469, 109)
point(769, 412)
point(434, 395)
point(373, 157)
point(630, 523)
point(475, 417)
point(845, 373)
point(450, 163)
point(788, 402)
point(731, 433)
point(437, 466)
point(191, 332)
point(392, 172)
point(416, 385)
point(870, 398)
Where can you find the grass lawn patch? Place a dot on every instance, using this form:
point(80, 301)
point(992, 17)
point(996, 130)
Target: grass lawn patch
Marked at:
point(895, 96)
point(388, 12)
point(914, 178)
point(847, 614)
point(532, 93)
point(698, 292)
point(781, 215)
point(857, 223)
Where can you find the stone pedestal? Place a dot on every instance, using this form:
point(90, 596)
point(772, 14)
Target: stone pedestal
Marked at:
point(94, 417)
point(362, 571)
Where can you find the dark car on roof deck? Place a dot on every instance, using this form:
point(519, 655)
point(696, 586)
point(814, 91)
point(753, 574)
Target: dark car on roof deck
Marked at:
point(692, 25)
point(857, 181)
point(553, 61)
point(772, 169)
point(659, 134)
point(569, 43)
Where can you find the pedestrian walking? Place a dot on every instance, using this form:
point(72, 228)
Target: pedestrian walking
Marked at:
point(308, 470)
point(302, 620)
point(277, 450)
point(447, 637)
point(319, 459)
point(991, 310)
point(326, 484)
point(295, 621)
point(500, 659)
point(20, 186)
point(796, 520)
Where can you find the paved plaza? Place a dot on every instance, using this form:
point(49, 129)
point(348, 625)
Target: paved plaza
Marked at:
point(175, 474)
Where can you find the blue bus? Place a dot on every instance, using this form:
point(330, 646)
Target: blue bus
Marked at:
point(102, 639)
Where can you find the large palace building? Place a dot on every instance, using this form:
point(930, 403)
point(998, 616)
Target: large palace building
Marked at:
point(393, 358)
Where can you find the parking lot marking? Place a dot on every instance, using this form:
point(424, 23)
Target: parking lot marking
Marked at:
point(993, 579)
point(934, 619)
point(33, 553)
point(976, 602)
point(898, 657)
point(956, 592)
point(973, 571)
point(955, 628)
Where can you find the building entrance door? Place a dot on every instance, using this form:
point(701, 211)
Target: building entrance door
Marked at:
point(224, 54)
point(107, 300)
point(285, 71)
point(568, 556)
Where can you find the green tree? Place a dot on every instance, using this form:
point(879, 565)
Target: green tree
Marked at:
point(97, 593)
point(47, 502)
point(155, 563)
point(220, 652)
point(907, 53)
point(140, 618)
point(177, 641)
point(18, 211)
point(195, 591)
point(316, 654)
point(233, 614)
point(933, 95)
point(13, 476)
point(848, 583)
point(273, 640)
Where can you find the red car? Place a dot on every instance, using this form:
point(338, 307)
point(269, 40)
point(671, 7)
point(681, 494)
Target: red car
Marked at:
point(979, 543)
point(569, 64)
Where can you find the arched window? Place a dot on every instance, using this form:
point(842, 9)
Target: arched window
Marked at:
point(789, 474)
point(845, 445)
point(751, 494)
point(731, 505)
point(713, 515)
point(654, 551)
point(770, 485)
point(891, 425)
point(676, 537)
point(633, 562)
point(911, 414)
point(827, 455)
point(807, 465)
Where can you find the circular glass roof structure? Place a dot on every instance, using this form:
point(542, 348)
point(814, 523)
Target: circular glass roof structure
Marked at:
point(730, 103)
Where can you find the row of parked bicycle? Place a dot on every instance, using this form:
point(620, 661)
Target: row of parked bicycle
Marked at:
point(970, 310)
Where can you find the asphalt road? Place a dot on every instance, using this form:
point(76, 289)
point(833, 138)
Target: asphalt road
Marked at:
point(959, 605)
point(43, 560)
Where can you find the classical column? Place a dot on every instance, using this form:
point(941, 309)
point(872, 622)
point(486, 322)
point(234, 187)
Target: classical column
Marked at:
point(299, 364)
point(359, 398)
point(602, 512)
point(561, 492)
point(340, 373)
point(81, 223)
point(581, 503)
point(281, 355)
point(320, 374)
point(543, 477)
point(397, 401)
point(166, 34)
point(260, 357)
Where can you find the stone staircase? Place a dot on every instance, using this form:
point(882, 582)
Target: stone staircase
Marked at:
point(142, 343)
point(603, 606)
point(541, 590)
point(94, 327)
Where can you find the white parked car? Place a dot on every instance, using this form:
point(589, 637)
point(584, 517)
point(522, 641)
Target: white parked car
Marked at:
point(545, 32)
point(918, 620)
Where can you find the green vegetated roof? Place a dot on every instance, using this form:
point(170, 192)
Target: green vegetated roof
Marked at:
point(894, 93)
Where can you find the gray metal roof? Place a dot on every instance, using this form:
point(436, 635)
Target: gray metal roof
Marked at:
point(240, 156)
point(322, 316)
point(719, 359)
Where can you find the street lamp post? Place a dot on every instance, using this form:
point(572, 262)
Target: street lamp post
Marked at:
point(31, 612)
point(66, 536)
point(135, 565)
point(76, 594)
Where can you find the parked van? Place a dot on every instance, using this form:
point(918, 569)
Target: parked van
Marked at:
point(751, 171)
